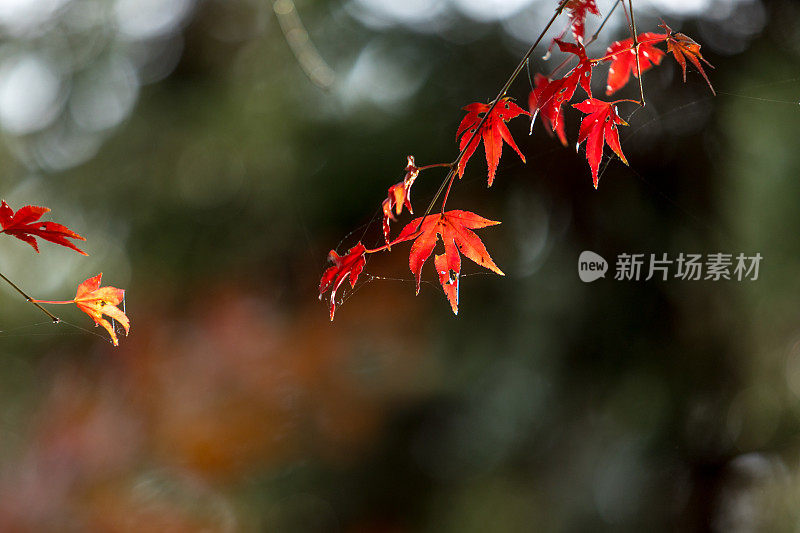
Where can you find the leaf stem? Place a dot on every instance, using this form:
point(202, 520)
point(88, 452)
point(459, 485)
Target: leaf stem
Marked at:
point(386, 246)
point(52, 317)
point(426, 167)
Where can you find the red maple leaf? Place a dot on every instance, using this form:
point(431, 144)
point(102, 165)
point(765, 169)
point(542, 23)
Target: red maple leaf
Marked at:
point(550, 95)
point(454, 228)
point(623, 59)
point(576, 10)
point(682, 47)
point(600, 123)
point(493, 132)
point(24, 225)
point(399, 196)
point(351, 264)
point(533, 104)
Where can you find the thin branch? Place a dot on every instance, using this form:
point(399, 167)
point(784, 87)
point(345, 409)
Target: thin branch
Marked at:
point(28, 299)
point(398, 240)
point(632, 26)
point(592, 39)
point(636, 53)
point(618, 52)
point(307, 55)
point(426, 167)
point(448, 180)
point(602, 24)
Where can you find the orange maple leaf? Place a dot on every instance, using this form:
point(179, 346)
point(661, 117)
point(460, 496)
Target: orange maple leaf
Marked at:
point(97, 301)
point(682, 47)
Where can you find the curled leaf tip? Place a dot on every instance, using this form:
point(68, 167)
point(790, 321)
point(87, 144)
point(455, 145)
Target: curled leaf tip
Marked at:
point(347, 266)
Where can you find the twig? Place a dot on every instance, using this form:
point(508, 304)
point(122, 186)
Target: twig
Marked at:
point(602, 24)
point(448, 180)
point(632, 26)
point(296, 36)
point(592, 39)
point(28, 299)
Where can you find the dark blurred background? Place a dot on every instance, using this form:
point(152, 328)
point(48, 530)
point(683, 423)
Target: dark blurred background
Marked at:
point(212, 168)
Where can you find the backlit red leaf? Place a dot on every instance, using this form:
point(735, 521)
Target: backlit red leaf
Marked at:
point(598, 126)
point(550, 95)
point(533, 104)
point(493, 132)
point(25, 225)
point(581, 74)
point(623, 60)
point(455, 230)
point(351, 264)
point(577, 10)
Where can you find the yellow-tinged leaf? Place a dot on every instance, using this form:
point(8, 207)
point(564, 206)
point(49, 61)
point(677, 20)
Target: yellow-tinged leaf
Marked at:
point(97, 301)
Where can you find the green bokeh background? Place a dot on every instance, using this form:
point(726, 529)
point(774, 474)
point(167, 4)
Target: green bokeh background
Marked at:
point(546, 405)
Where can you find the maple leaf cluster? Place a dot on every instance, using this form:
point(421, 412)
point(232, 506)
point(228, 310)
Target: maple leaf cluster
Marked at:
point(487, 124)
point(627, 57)
point(91, 298)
